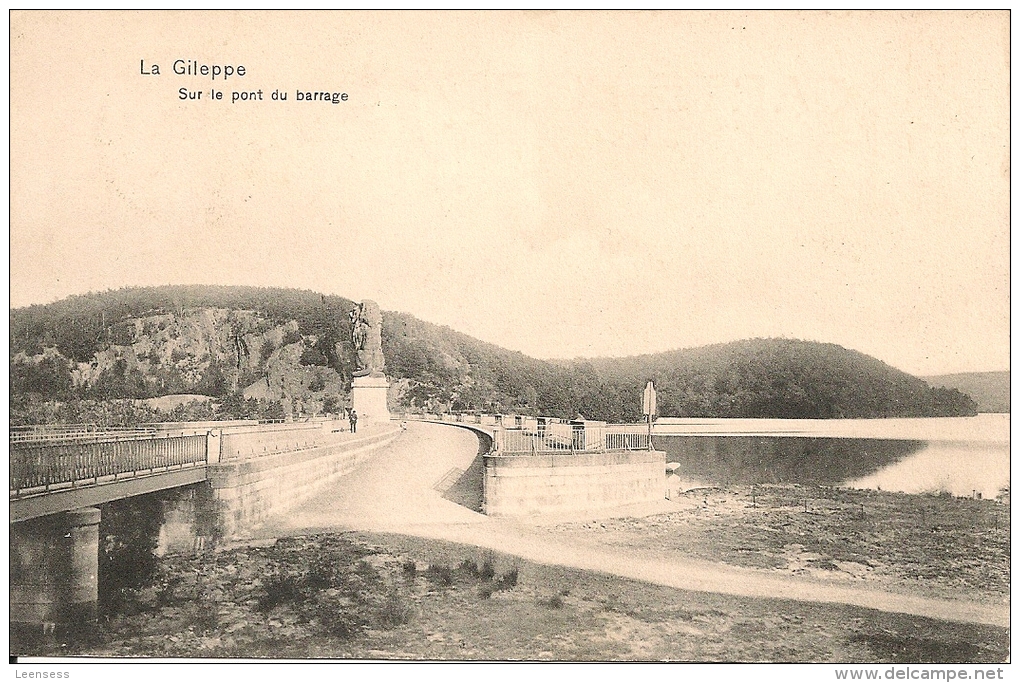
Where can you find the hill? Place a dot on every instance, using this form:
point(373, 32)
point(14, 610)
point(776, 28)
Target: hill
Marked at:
point(264, 352)
point(291, 348)
point(990, 390)
point(782, 378)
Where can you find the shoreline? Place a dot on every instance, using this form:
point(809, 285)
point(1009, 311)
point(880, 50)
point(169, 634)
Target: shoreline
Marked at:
point(930, 546)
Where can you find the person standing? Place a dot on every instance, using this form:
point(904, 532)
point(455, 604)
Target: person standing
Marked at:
point(354, 421)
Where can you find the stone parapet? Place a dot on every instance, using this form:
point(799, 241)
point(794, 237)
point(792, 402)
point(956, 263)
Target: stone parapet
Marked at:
point(522, 485)
point(247, 492)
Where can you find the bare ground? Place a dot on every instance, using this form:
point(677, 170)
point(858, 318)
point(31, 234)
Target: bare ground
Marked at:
point(934, 546)
point(356, 595)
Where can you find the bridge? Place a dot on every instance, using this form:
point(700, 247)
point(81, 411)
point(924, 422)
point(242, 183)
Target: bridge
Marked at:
point(62, 471)
point(59, 470)
point(219, 480)
point(62, 468)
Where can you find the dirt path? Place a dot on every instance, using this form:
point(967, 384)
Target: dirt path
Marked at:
point(411, 489)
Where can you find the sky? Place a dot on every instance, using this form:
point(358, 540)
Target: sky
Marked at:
point(562, 184)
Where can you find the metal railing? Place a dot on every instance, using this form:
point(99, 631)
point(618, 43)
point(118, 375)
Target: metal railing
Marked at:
point(512, 441)
point(40, 466)
point(617, 441)
point(63, 432)
point(552, 437)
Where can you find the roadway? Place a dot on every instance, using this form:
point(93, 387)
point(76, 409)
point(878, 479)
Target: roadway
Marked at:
point(427, 481)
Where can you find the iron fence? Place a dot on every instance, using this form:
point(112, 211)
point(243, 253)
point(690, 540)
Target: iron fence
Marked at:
point(63, 432)
point(521, 434)
point(626, 441)
point(43, 465)
point(512, 441)
point(551, 437)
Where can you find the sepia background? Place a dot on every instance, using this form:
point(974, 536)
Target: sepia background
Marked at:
point(563, 184)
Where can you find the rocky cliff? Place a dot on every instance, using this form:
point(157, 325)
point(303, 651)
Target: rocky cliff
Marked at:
point(207, 351)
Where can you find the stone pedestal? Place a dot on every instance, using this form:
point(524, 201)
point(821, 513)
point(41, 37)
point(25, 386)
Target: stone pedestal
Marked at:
point(55, 570)
point(368, 398)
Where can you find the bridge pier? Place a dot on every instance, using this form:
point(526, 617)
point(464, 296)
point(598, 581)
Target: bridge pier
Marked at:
point(54, 571)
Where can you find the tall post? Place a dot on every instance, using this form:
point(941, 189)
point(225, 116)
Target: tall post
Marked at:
point(649, 409)
point(212, 446)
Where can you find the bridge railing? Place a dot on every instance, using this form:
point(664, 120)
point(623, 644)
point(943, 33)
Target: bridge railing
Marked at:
point(626, 441)
point(60, 432)
point(525, 434)
point(40, 466)
point(512, 441)
point(551, 437)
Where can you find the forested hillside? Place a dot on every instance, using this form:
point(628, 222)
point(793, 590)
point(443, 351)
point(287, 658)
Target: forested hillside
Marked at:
point(444, 369)
point(79, 326)
point(990, 390)
point(784, 378)
point(292, 347)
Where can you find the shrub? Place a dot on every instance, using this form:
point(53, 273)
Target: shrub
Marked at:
point(330, 404)
point(508, 580)
point(266, 352)
point(205, 618)
point(555, 602)
point(336, 593)
point(291, 337)
point(483, 572)
point(440, 574)
point(50, 377)
point(336, 618)
point(313, 356)
point(393, 612)
point(321, 574)
point(279, 590)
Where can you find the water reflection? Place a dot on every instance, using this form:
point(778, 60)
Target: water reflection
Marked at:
point(911, 466)
point(777, 459)
point(961, 469)
point(961, 455)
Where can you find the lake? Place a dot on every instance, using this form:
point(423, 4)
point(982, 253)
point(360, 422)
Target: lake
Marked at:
point(914, 455)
